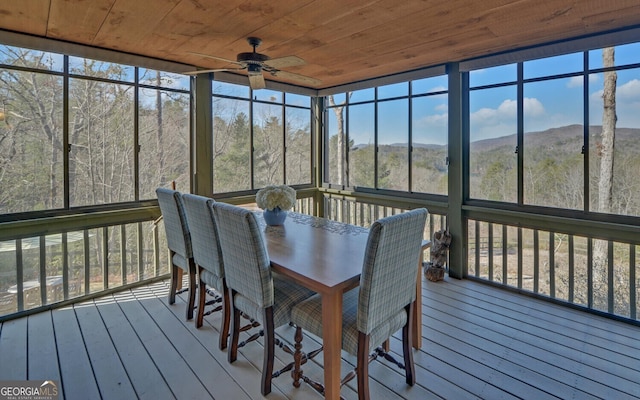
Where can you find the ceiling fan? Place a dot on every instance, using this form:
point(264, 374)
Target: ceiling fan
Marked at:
point(256, 63)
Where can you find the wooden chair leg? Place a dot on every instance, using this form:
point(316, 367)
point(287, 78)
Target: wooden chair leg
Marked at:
point(224, 325)
point(174, 283)
point(296, 374)
point(202, 299)
point(269, 350)
point(407, 351)
point(179, 277)
point(363, 366)
point(232, 354)
point(192, 289)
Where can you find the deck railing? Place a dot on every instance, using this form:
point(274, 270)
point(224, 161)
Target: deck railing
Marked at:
point(579, 269)
point(566, 264)
point(52, 261)
point(57, 260)
point(66, 258)
point(364, 213)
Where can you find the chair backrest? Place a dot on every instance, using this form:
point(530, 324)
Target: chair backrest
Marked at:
point(247, 265)
point(204, 233)
point(175, 221)
point(390, 270)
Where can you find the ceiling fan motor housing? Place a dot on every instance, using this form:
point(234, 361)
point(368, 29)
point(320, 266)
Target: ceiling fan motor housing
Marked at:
point(252, 58)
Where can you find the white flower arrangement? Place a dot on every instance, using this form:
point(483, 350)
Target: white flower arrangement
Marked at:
point(276, 196)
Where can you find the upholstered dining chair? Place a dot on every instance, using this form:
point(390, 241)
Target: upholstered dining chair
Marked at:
point(254, 289)
point(208, 258)
point(382, 303)
point(179, 243)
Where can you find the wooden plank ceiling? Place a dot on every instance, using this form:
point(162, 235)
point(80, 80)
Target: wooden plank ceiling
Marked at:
point(341, 41)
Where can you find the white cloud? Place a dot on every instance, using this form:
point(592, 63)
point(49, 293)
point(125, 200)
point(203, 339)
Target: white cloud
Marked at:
point(533, 107)
point(597, 95)
point(436, 119)
point(442, 107)
point(494, 122)
point(507, 110)
point(629, 91)
point(576, 81)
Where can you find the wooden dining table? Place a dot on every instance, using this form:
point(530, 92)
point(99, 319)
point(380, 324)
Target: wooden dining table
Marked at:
point(327, 257)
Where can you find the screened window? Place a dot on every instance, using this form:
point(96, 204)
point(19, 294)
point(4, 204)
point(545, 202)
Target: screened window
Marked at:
point(560, 109)
point(31, 137)
point(492, 134)
point(429, 135)
point(259, 138)
point(124, 137)
point(163, 119)
point(392, 137)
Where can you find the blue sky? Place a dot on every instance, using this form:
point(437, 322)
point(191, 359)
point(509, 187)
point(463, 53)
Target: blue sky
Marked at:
point(547, 104)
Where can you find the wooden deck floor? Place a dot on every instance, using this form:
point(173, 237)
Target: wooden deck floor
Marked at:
point(479, 342)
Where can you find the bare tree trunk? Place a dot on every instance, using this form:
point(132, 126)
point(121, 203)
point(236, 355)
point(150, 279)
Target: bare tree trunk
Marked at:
point(609, 120)
point(159, 147)
point(606, 152)
point(341, 156)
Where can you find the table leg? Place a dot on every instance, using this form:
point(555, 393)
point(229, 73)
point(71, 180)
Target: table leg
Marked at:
point(417, 312)
point(417, 305)
point(332, 343)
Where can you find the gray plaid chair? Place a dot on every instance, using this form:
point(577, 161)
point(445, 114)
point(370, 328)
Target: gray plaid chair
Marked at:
point(381, 304)
point(254, 290)
point(208, 258)
point(179, 243)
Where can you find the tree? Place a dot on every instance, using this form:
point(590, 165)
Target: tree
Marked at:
point(609, 119)
point(340, 148)
point(606, 152)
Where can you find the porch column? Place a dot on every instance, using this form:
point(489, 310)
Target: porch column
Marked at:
point(458, 88)
point(201, 136)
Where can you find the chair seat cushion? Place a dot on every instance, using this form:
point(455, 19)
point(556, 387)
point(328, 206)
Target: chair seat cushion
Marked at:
point(308, 316)
point(180, 261)
point(285, 295)
point(211, 279)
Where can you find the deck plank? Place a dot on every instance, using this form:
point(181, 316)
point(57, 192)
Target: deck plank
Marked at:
point(589, 364)
point(247, 368)
point(209, 372)
point(109, 372)
point(168, 362)
point(592, 329)
point(75, 367)
point(42, 352)
point(479, 342)
point(617, 366)
point(142, 372)
point(13, 350)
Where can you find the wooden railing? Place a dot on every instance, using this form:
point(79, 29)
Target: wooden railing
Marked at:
point(519, 251)
point(57, 260)
point(364, 209)
point(582, 270)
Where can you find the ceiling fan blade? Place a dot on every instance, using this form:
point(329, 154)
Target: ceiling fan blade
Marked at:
point(214, 57)
point(206, 71)
point(298, 78)
point(285, 62)
point(257, 81)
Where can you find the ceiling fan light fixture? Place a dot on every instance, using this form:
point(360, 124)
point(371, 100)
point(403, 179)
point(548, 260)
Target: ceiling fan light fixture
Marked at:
point(254, 69)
